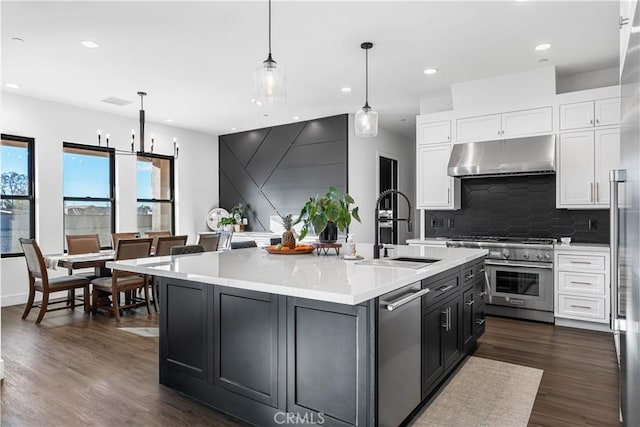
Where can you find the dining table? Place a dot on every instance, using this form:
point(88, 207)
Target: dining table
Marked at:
point(96, 261)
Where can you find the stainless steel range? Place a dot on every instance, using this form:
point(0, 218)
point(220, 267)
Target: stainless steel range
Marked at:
point(519, 274)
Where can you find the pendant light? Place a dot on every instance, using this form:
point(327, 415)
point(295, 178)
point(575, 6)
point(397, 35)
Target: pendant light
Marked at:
point(366, 118)
point(269, 81)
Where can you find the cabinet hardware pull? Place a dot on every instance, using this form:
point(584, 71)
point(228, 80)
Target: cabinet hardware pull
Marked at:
point(448, 318)
point(591, 121)
point(498, 132)
point(445, 326)
point(597, 121)
point(390, 306)
point(580, 262)
point(469, 277)
point(482, 294)
point(470, 303)
point(581, 306)
point(581, 283)
point(448, 137)
point(445, 288)
point(481, 270)
point(623, 21)
point(597, 192)
point(480, 321)
point(448, 195)
point(591, 191)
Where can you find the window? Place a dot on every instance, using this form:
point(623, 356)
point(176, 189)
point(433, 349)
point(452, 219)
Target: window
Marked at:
point(155, 193)
point(88, 191)
point(17, 201)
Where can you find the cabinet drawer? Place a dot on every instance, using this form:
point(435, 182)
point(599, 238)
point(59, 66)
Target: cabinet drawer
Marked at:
point(581, 262)
point(440, 289)
point(582, 283)
point(472, 273)
point(592, 308)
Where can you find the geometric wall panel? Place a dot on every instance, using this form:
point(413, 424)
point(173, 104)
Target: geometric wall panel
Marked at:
point(274, 171)
point(517, 206)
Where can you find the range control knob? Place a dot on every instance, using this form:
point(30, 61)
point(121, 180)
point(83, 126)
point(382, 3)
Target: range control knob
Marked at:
point(506, 254)
point(539, 256)
point(547, 257)
point(525, 255)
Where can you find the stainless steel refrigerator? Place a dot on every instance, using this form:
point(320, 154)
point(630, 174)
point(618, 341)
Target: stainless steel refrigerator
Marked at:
point(625, 236)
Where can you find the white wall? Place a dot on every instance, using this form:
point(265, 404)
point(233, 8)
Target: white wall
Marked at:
point(51, 124)
point(363, 181)
point(588, 80)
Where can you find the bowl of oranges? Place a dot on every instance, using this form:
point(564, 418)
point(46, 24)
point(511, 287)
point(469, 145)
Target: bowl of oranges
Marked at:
point(280, 249)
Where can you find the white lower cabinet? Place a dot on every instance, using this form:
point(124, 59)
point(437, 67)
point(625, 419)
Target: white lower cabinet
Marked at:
point(582, 287)
point(435, 188)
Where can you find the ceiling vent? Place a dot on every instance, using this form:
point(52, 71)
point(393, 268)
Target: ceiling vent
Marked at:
point(116, 101)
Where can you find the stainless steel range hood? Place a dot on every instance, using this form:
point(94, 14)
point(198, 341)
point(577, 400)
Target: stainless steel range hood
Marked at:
point(518, 156)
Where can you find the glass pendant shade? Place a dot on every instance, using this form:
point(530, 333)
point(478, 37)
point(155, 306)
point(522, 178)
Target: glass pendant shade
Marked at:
point(366, 122)
point(269, 83)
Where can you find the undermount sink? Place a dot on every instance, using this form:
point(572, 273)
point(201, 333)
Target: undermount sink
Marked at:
point(400, 262)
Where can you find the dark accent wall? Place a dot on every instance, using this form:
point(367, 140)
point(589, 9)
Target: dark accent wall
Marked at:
point(517, 206)
point(275, 170)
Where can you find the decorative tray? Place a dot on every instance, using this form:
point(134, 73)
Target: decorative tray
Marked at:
point(299, 250)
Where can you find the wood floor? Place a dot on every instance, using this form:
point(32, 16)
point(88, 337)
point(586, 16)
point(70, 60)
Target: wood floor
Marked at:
point(73, 370)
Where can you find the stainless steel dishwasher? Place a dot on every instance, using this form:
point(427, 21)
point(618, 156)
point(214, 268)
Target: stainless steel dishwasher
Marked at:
point(399, 354)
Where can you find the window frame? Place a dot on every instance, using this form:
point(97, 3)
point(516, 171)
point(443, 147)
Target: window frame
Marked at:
point(112, 185)
point(172, 190)
point(31, 197)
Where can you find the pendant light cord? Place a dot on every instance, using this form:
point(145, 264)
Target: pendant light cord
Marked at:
point(269, 28)
point(366, 77)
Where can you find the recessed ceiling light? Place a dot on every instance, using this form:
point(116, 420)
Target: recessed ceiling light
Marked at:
point(89, 44)
point(403, 120)
point(543, 46)
point(12, 85)
point(431, 71)
point(17, 39)
point(234, 129)
point(345, 89)
point(296, 118)
point(168, 120)
point(542, 60)
point(265, 115)
point(259, 103)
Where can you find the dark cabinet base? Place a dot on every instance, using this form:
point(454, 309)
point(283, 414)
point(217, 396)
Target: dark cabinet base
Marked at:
point(269, 359)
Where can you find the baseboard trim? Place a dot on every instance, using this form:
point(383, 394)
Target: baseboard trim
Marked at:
point(580, 324)
point(17, 299)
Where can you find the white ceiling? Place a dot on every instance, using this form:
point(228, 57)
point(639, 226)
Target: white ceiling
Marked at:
point(196, 59)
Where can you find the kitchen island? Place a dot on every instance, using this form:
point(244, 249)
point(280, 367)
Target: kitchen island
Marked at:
point(301, 339)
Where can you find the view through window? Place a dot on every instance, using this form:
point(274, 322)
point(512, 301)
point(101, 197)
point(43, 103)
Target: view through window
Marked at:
point(155, 193)
point(17, 204)
point(88, 191)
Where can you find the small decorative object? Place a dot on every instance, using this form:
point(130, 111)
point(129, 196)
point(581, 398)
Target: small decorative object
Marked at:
point(324, 248)
point(214, 216)
point(351, 246)
point(565, 240)
point(332, 212)
point(280, 249)
point(236, 214)
point(227, 223)
point(288, 237)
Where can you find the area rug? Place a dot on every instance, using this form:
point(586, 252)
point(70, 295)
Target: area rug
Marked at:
point(143, 332)
point(484, 393)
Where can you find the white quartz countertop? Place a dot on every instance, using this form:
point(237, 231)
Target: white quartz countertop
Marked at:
point(582, 247)
point(325, 278)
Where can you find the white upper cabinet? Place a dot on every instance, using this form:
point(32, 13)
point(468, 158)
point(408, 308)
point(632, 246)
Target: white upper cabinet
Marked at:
point(576, 168)
point(435, 188)
point(527, 122)
point(434, 133)
point(603, 112)
point(511, 124)
point(479, 128)
point(607, 112)
point(607, 157)
point(585, 159)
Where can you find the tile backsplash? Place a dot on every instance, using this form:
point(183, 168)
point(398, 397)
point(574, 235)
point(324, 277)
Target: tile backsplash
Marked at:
point(517, 206)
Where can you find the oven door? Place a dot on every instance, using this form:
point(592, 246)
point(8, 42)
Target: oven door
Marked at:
point(520, 284)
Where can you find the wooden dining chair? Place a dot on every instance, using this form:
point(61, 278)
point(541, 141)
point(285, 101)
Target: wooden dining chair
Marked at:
point(209, 241)
point(187, 249)
point(225, 240)
point(82, 244)
point(165, 243)
point(39, 281)
point(124, 281)
point(127, 235)
point(156, 234)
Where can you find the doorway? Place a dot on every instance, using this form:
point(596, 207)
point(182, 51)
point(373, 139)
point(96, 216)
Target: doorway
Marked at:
point(387, 180)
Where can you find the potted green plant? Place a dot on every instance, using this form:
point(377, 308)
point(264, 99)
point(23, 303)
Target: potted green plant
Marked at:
point(236, 214)
point(328, 215)
point(227, 223)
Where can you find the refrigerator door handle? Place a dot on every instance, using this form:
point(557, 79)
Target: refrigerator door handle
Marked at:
point(616, 176)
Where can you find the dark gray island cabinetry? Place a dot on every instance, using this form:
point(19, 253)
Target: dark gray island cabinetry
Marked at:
point(315, 353)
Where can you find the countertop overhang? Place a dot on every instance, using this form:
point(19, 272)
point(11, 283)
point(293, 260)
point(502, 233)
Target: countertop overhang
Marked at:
point(325, 278)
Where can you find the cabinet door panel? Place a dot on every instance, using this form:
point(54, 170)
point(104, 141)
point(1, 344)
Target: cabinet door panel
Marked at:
point(432, 360)
point(452, 343)
point(607, 111)
point(467, 317)
point(434, 185)
point(527, 122)
point(433, 133)
point(607, 157)
point(576, 168)
point(575, 116)
point(479, 128)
